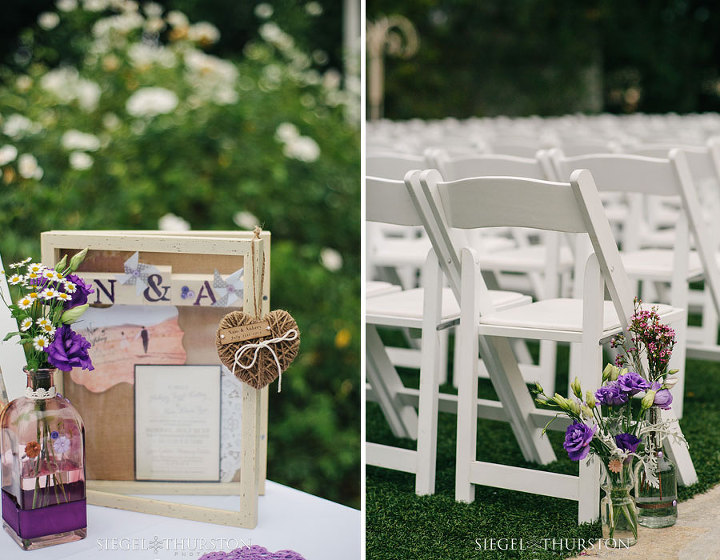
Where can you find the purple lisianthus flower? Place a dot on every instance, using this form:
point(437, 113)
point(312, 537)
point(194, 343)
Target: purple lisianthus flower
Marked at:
point(68, 350)
point(627, 442)
point(577, 440)
point(81, 293)
point(663, 399)
point(632, 383)
point(54, 434)
point(611, 395)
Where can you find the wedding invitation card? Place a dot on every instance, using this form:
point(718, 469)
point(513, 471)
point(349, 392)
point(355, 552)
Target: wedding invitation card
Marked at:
point(177, 423)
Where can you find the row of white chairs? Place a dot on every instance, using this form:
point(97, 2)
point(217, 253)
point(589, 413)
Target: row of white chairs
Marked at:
point(489, 319)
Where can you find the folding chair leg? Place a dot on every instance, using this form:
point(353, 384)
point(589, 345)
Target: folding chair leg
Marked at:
point(386, 384)
point(506, 378)
point(590, 376)
point(677, 451)
point(434, 359)
point(548, 361)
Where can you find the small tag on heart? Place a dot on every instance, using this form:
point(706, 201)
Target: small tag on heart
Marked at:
point(244, 332)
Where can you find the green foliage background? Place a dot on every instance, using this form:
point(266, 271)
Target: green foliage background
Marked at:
point(205, 161)
point(551, 57)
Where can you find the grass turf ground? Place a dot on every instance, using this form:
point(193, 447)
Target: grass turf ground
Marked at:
point(403, 526)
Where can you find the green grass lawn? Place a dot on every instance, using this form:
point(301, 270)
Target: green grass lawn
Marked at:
point(403, 526)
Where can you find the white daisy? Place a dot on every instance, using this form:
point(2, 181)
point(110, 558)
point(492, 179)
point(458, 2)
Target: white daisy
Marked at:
point(63, 297)
point(52, 275)
point(15, 265)
point(42, 321)
point(15, 279)
point(33, 295)
point(25, 261)
point(40, 342)
point(24, 302)
point(26, 324)
point(48, 329)
point(32, 276)
point(37, 268)
point(70, 287)
point(48, 294)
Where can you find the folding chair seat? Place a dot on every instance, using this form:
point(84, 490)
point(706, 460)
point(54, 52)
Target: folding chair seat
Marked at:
point(375, 288)
point(410, 413)
point(573, 208)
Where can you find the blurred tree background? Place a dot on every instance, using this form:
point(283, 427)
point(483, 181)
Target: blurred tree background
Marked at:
point(552, 57)
point(205, 114)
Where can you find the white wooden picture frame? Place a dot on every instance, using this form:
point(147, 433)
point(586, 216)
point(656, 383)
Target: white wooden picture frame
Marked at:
point(204, 246)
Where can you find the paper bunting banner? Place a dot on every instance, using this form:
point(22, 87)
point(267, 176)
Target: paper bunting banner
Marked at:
point(229, 290)
point(136, 273)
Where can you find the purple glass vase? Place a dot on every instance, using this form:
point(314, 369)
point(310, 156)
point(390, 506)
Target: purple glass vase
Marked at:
point(42, 452)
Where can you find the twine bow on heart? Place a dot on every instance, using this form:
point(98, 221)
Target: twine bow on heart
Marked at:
point(292, 334)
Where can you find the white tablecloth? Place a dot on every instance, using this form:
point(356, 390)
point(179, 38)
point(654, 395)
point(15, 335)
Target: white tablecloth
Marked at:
point(288, 519)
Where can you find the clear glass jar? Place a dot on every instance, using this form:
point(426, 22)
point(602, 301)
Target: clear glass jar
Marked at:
point(42, 453)
point(657, 505)
point(617, 507)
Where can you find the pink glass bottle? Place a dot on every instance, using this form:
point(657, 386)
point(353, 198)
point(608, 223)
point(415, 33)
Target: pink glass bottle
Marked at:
point(42, 448)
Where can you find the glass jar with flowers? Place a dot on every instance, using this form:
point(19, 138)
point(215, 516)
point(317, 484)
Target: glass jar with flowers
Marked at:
point(42, 437)
point(605, 424)
point(647, 348)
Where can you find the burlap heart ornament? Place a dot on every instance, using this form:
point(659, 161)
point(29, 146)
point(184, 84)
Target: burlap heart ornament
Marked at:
point(258, 351)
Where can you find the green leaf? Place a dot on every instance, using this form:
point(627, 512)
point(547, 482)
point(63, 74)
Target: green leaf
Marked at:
point(9, 335)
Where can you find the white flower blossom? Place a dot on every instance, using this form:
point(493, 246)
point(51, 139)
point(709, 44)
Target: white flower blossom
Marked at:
point(314, 8)
point(76, 140)
point(40, 342)
point(111, 121)
point(331, 259)
point(177, 19)
point(154, 25)
point(24, 82)
point(28, 167)
point(152, 9)
point(95, 5)
point(67, 85)
point(80, 161)
point(171, 222)
point(26, 324)
point(66, 5)
point(302, 148)
point(8, 153)
point(16, 126)
point(122, 23)
point(48, 20)
point(245, 220)
point(286, 132)
point(264, 10)
point(212, 78)
point(276, 36)
point(143, 56)
point(151, 101)
point(204, 33)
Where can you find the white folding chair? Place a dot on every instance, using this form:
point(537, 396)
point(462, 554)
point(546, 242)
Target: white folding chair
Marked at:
point(388, 202)
point(677, 266)
point(572, 208)
point(543, 263)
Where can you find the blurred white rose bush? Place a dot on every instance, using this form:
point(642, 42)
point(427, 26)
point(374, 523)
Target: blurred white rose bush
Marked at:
point(118, 115)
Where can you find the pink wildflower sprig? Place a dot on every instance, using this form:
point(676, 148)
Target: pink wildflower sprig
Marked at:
point(648, 336)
